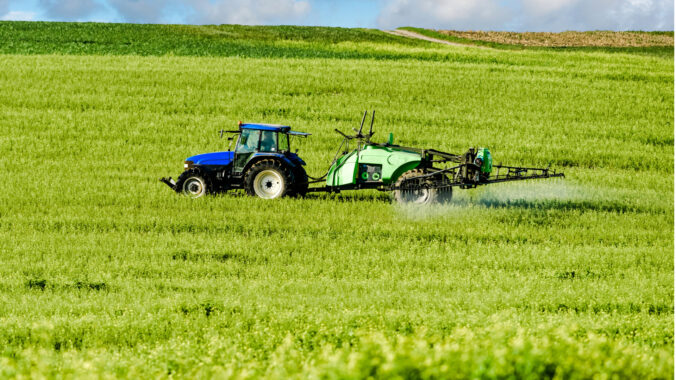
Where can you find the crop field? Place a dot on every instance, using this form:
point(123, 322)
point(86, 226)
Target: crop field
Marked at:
point(569, 39)
point(105, 272)
point(649, 43)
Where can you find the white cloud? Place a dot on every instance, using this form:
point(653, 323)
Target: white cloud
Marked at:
point(449, 14)
point(69, 10)
point(249, 12)
point(598, 15)
point(529, 15)
point(144, 11)
point(18, 16)
point(517, 15)
point(543, 8)
point(4, 6)
point(212, 12)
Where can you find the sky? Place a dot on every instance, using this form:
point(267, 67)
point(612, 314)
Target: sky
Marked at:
point(503, 15)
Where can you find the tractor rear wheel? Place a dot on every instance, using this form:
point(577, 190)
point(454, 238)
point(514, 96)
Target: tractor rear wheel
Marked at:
point(300, 181)
point(268, 179)
point(193, 184)
point(421, 191)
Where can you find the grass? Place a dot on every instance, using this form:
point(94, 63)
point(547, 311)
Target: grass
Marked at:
point(203, 40)
point(105, 272)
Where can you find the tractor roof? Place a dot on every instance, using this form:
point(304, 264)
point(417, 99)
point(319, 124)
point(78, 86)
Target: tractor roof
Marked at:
point(272, 127)
point(266, 127)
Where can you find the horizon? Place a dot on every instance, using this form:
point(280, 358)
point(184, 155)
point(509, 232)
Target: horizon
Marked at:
point(336, 27)
point(485, 15)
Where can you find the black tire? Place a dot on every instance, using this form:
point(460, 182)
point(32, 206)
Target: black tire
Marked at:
point(193, 184)
point(445, 193)
point(300, 182)
point(269, 179)
point(421, 191)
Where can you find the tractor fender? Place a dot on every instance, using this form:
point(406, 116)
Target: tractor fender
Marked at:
point(294, 157)
point(277, 156)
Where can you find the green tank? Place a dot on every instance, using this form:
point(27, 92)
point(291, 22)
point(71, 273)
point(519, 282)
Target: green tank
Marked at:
point(371, 165)
point(487, 161)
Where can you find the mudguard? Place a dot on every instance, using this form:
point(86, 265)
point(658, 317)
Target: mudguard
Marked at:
point(292, 160)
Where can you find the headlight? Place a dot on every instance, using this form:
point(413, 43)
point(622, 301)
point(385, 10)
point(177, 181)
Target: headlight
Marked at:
point(187, 165)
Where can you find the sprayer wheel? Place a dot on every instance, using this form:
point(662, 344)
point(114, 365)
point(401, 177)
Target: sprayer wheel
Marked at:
point(445, 193)
point(415, 191)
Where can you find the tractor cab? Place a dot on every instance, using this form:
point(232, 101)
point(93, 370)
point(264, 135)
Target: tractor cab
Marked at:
point(262, 139)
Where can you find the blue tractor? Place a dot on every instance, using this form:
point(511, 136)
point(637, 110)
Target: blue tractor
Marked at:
point(262, 164)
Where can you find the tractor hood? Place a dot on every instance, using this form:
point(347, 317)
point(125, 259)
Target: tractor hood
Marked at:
point(216, 158)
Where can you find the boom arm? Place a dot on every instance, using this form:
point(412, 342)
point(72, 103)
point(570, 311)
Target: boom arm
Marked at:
point(467, 174)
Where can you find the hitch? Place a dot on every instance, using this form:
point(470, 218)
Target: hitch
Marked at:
point(170, 182)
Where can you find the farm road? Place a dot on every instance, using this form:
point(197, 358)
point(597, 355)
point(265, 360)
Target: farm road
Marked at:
point(407, 33)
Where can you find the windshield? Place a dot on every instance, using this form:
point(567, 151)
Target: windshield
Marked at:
point(248, 141)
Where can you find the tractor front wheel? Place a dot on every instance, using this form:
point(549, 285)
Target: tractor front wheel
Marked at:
point(192, 183)
point(268, 179)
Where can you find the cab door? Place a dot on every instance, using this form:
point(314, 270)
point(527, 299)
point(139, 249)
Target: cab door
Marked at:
point(247, 144)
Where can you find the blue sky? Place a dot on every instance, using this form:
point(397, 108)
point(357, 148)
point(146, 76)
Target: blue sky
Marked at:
point(513, 15)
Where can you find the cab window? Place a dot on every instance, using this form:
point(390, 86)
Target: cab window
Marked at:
point(248, 141)
point(283, 144)
point(268, 141)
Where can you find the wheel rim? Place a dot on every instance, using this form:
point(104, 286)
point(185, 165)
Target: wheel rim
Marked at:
point(194, 187)
point(268, 184)
point(419, 195)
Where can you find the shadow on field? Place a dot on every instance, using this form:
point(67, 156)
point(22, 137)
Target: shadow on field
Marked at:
point(542, 204)
point(459, 207)
point(343, 197)
point(554, 204)
point(529, 197)
point(527, 204)
point(351, 196)
point(542, 196)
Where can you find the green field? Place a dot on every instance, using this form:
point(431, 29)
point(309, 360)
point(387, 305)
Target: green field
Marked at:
point(104, 272)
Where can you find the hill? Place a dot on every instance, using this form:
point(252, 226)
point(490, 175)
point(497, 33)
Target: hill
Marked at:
point(196, 40)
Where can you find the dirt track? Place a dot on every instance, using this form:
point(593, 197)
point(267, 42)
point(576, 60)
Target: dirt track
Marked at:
point(407, 33)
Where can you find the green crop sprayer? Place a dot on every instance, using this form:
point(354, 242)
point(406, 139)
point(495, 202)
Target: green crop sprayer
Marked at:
point(262, 164)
